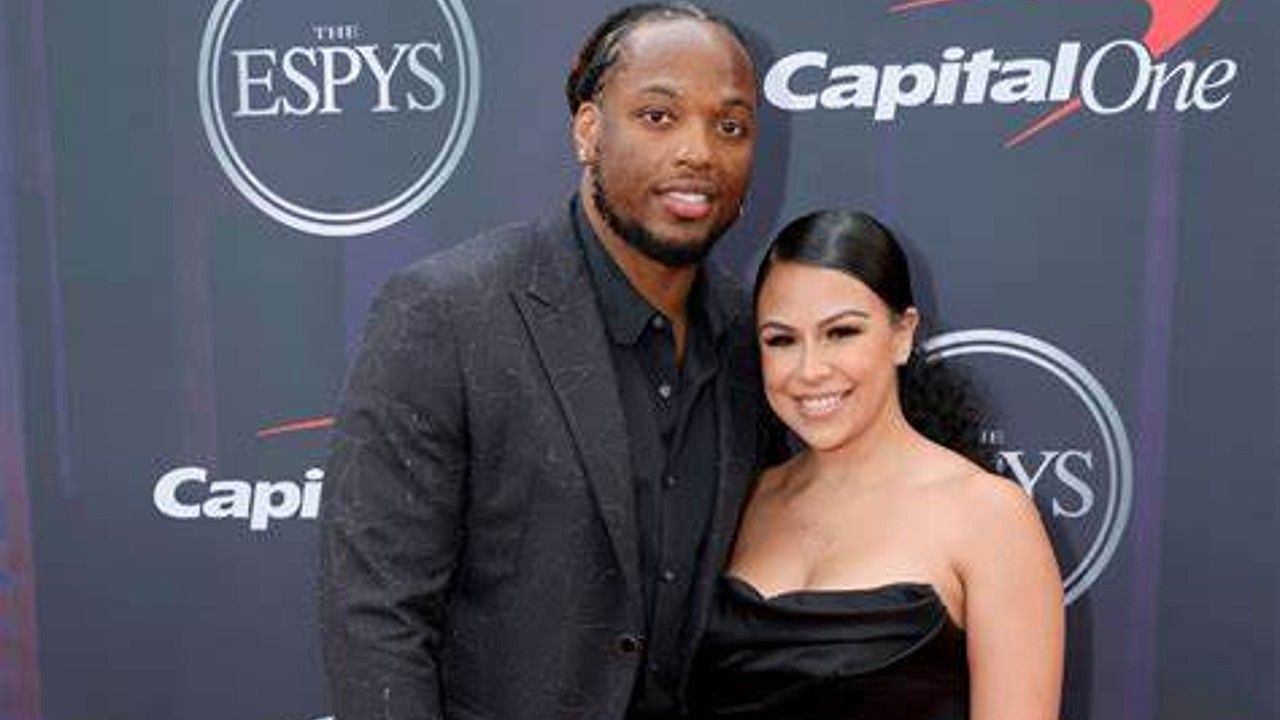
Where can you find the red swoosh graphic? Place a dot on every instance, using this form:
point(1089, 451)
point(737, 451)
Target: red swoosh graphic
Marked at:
point(292, 426)
point(913, 4)
point(1171, 22)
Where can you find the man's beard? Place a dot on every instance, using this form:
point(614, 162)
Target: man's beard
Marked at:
point(673, 255)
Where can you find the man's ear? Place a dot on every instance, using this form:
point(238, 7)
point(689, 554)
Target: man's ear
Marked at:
point(586, 132)
point(905, 335)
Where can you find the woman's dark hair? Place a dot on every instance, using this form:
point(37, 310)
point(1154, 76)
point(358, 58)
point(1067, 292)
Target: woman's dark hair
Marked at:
point(600, 51)
point(936, 399)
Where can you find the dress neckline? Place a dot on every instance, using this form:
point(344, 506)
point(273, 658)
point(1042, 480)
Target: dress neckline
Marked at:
point(890, 597)
point(903, 585)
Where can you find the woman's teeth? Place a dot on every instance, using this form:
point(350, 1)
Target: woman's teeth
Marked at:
point(817, 405)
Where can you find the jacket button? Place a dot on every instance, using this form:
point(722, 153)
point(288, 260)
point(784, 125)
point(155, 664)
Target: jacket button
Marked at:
point(629, 644)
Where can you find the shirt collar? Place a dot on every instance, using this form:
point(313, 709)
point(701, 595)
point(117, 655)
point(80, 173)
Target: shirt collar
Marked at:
point(626, 312)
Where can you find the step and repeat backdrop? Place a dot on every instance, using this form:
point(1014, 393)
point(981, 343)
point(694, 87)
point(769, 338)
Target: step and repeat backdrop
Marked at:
point(201, 196)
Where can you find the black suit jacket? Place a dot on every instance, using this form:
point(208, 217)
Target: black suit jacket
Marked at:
point(479, 549)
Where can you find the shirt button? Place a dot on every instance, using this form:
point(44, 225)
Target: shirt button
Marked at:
point(668, 576)
point(629, 644)
point(664, 390)
point(669, 481)
point(659, 322)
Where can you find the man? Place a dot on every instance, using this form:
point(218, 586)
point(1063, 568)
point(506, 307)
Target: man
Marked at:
point(545, 441)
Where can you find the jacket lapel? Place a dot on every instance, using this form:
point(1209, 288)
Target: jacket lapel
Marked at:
point(738, 401)
point(738, 408)
point(738, 404)
point(560, 312)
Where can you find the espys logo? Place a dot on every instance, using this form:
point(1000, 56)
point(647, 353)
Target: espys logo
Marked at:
point(807, 80)
point(338, 128)
point(1063, 440)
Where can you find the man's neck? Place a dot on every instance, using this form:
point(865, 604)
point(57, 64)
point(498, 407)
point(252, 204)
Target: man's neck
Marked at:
point(666, 288)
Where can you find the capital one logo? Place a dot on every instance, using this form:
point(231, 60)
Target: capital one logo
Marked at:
point(1061, 438)
point(335, 117)
point(192, 492)
point(1069, 78)
point(187, 493)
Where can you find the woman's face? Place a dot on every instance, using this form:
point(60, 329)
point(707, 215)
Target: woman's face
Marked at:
point(829, 350)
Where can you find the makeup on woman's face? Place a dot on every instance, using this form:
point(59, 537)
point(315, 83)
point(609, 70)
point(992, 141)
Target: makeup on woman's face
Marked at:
point(829, 350)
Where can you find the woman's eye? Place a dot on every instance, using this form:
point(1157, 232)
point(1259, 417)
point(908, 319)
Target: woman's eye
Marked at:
point(842, 332)
point(777, 341)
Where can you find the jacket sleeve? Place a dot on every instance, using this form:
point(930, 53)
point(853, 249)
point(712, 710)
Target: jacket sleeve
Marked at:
point(777, 443)
point(390, 531)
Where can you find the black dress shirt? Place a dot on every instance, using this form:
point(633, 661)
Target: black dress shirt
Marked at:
point(670, 413)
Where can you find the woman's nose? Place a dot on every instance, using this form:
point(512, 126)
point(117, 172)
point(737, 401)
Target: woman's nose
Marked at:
point(813, 363)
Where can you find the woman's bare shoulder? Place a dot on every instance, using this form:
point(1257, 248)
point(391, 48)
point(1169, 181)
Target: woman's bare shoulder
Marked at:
point(996, 525)
point(981, 504)
point(987, 496)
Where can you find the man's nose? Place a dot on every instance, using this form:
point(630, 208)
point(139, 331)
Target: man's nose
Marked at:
point(695, 146)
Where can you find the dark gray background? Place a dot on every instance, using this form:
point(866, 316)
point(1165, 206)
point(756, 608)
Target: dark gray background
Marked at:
point(153, 318)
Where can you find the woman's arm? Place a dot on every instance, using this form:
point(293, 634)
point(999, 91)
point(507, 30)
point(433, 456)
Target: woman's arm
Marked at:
point(1013, 608)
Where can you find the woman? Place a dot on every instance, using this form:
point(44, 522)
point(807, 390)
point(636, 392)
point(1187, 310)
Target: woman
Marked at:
point(880, 574)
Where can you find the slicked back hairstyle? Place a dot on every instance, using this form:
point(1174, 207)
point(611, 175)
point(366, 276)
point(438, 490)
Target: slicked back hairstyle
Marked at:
point(853, 243)
point(600, 51)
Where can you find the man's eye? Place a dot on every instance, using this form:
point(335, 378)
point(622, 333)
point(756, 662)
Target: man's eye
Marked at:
point(733, 128)
point(656, 116)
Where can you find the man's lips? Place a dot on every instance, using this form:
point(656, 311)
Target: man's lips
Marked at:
point(687, 199)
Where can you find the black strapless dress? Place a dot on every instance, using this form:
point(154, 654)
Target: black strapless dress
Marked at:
point(886, 653)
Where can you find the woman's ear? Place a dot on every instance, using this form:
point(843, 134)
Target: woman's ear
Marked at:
point(905, 335)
